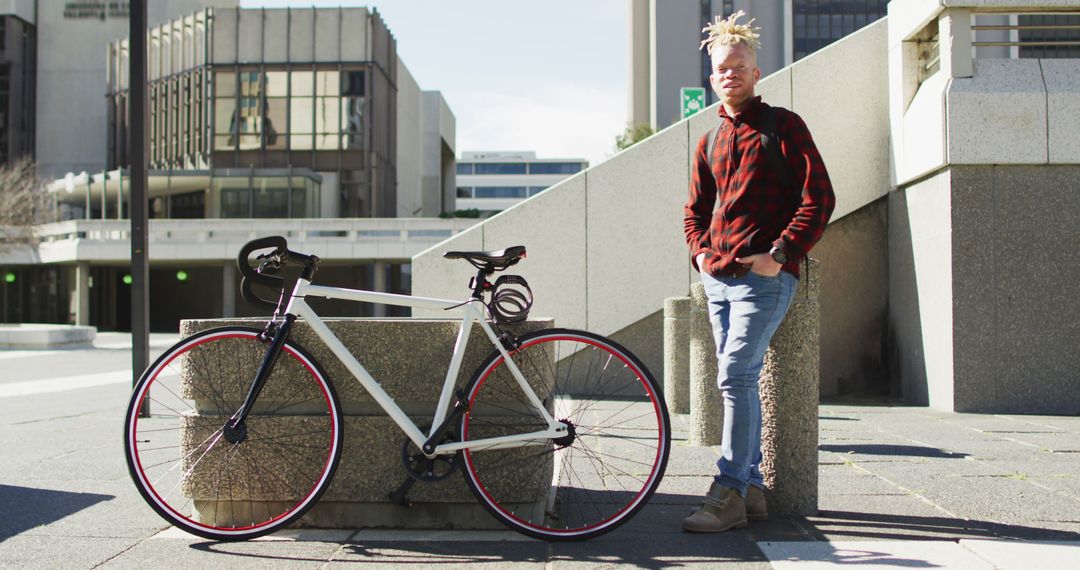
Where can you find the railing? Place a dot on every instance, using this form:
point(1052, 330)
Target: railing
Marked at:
point(219, 239)
point(995, 29)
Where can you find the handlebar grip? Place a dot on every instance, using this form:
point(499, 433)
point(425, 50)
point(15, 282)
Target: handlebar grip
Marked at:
point(250, 277)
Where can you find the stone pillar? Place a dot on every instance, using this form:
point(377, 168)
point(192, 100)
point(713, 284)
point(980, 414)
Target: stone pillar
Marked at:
point(228, 289)
point(677, 354)
point(378, 283)
point(706, 403)
point(789, 405)
point(81, 295)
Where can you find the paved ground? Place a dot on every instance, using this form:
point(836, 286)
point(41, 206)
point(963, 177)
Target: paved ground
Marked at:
point(900, 487)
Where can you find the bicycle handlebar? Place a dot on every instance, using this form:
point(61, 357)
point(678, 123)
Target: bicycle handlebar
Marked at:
point(274, 260)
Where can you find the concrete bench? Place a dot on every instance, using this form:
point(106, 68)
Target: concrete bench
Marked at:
point(409, 357)
point(45, 336)
point(789, 389)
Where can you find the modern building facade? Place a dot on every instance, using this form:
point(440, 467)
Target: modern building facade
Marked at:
point(494, 181)
point(261, 121)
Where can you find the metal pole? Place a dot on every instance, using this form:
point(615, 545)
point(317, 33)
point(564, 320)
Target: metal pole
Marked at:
point(137, 118)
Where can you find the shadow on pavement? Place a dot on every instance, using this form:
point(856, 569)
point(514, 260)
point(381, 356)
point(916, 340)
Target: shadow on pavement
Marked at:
point(893, 450)
point(839, 525)
point(25, 508)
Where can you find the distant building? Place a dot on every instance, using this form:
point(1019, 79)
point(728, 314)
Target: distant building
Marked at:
point(665, 35)
point(304, 118)
point(494, 181)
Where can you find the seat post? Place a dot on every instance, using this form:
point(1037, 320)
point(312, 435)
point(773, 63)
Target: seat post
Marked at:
point(480, 282)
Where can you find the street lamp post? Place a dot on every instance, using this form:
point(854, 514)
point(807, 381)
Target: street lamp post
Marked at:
point(137, 118)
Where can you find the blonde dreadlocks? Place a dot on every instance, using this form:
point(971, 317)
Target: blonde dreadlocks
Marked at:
point(725, 32)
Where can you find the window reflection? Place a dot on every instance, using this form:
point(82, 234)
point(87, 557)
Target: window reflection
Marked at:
point(298, 110)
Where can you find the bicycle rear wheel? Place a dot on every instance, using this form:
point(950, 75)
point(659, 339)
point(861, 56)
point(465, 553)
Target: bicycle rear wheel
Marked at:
point(597, 477)
point(187, 469)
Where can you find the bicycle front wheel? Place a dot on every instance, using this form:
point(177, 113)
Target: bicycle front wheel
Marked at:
point(192, 474)
point(588, 482)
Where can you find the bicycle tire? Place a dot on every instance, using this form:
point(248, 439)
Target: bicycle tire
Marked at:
point(579, 487)
point(192, 476)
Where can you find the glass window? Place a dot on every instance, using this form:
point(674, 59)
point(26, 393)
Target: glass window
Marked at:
point(327, 83)
point(327, 115)
point(249, 83)
point(352, 108)
point(274, 125)
point(301, 117)
point(234, 203)
point(277, 83)
point(554, 168)
point(465, 168)
point(300, 142)
point(225, 84)
point(500, 168)
point(352, 83)
point(500, 191)
point(534, 190)
point(302, 83)
point(324, 141)
point(464, 192)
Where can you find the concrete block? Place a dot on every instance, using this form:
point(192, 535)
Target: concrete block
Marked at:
point(635, 204)
point(999, 115)
point(406, 356)
point(789, 405)
point(862, 129)
point(677, 354)
point(45, 336)
point(1062, 78)
point(409, 357)
point(706, 402)
point(555, 268)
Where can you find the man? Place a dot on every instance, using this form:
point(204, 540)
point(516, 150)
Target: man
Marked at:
point(772, 201)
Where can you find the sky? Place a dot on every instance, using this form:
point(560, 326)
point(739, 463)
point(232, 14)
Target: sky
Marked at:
point(548, 76)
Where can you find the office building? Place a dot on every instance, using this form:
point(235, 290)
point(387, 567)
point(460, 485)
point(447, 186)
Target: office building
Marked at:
point(493, 181)
point(305, 118)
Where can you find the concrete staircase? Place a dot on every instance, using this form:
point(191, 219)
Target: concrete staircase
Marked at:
point(605, 247)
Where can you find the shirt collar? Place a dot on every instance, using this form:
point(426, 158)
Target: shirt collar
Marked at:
point(753, 109)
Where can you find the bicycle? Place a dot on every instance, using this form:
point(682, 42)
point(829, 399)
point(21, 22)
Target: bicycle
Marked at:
point(560, 434)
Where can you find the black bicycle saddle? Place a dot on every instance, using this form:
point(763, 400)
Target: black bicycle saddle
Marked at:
point(498, 259)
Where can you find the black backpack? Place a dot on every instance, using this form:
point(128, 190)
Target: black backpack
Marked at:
point(770, 140)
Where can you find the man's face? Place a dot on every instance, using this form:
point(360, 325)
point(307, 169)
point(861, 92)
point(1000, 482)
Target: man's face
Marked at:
point(734, 73)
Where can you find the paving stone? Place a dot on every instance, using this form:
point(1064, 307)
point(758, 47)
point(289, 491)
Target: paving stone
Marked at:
point(1009, 555)
point(872, 555)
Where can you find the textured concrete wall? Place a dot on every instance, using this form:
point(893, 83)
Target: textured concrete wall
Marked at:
point(1014, 287)
point(920, 292)
point(409, 357)
point(853, 257)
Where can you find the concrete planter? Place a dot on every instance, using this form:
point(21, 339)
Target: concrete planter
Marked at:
point(410, 358)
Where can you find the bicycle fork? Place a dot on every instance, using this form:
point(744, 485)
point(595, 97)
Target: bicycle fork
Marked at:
point(235, 429)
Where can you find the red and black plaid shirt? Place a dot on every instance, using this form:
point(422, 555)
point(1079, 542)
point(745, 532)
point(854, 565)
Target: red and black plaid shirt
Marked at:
point(755, 211)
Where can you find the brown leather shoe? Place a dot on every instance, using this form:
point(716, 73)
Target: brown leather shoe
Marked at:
point(723, 510)
point(755, 504)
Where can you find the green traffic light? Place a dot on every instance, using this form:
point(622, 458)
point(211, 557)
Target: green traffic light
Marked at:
point(127, 280)
point(9, 277)
point(181, 275)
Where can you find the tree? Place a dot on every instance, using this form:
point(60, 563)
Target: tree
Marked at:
point(23, 203)
point(633, 135)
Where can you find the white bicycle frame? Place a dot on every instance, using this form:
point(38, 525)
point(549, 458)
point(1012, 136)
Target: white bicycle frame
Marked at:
point(298, 306)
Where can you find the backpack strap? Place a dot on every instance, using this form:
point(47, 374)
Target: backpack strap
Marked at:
point(709, 146)
point(771, 141)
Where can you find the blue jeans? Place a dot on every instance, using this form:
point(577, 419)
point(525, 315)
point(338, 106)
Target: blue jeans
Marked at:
point(745, 313)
